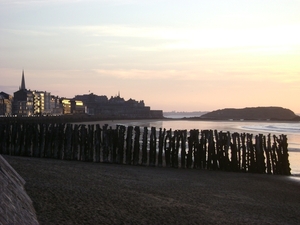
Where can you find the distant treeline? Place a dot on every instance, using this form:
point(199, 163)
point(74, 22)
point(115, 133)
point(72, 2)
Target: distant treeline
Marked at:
point(205, 149)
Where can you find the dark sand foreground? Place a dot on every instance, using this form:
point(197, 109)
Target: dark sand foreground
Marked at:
point(69, 192)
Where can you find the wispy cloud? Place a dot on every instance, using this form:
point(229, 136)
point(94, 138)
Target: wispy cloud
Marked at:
point(182, 38)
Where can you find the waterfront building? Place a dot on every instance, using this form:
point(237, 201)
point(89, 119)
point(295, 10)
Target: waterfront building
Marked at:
point(41, 103)
point(117, 107)
point(56, 105)
point(29, 103)
point(23, 100)
point(71, 106)
point(5, 104)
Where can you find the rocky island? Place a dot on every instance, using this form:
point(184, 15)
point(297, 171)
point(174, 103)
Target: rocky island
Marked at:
point(252, 113)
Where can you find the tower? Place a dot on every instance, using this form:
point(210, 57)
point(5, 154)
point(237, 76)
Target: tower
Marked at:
point(23, 82)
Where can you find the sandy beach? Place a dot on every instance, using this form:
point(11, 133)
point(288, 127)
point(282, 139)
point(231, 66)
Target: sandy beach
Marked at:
point(70, 192)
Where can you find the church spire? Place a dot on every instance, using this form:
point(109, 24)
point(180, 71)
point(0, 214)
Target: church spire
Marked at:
point(23, 82)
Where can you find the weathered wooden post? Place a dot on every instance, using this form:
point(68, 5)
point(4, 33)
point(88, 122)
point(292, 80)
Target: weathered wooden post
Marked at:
point(105, 144)
point(183, 148)
point(8, 139)
point(167, 147)
point(115, 144)
point(189, 160)
point(90, 142)
point(161, 138)
point(285, 156)
point(14, 137)
point(152, 152)
point(260, 159)
point(234, 152)
point(75, 142)
point(268, 153)
point(129, 145)
point(244, 166)
point(175, 148)
point(82, 151)
point(61, 139)
point(98, 144)
point(2, 130)
point(48, 140)
point(3, 137)
point(121, 140)
point(251, 154)
point(41, 140)
point(274, 155)
point(144, 147)
point(136, 148)
point(68, 142)
point(36, 146)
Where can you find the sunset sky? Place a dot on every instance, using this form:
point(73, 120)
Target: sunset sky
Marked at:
point(187, 55)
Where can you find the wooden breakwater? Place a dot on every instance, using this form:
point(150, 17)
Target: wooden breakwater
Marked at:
point(198, 149)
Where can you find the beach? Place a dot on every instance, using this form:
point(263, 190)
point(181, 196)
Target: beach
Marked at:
point(72, 192)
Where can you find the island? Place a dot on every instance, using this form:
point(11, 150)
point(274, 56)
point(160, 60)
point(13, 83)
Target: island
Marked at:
point(252, 113)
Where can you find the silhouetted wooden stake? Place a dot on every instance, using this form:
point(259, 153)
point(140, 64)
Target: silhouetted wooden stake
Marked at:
point(206, 149)
point(97, 143)
point(144, 147)
point(183, 148)
point(129, 145)
point(167, 147)
point(120, 156)
point(82, 142)
point(152, 152)
point(161, 138)
point(136, 148)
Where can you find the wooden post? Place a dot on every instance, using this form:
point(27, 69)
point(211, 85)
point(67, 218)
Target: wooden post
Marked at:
point(68, 142)
point(234, 150)
point(129, 145)
point(36, 146)
point(90, 142)
point(136, 148)
point(268, 153)
point(115, 136)
point(161, 146)
point(244, 153)
point(260, 159)
point(120, 157)
point(42, 139)
point(183, 148)
point(285, 156)
point(175, 151)
point(82, 142)
point(167, 147)
point(97, 144)
point(152, 153)
point(144, 147)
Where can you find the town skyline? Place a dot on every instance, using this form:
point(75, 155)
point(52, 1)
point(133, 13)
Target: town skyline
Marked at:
point(174, 55)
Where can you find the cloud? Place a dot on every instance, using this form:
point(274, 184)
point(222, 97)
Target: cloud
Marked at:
point(184, 38)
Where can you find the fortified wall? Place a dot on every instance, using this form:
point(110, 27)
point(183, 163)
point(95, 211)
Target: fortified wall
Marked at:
point(16, 206)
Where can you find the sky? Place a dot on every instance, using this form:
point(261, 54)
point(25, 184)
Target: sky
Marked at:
point(190, 55)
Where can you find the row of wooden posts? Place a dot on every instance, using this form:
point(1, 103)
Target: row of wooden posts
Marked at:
point(199, 149)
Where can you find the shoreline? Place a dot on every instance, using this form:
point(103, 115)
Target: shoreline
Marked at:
point(72, 192)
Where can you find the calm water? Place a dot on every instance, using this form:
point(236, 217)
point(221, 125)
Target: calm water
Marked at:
point(291, 129)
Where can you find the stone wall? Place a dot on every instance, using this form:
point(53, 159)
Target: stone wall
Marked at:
point(15, 205)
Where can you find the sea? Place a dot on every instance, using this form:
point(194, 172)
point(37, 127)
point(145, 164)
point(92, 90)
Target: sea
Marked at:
point(291, 129)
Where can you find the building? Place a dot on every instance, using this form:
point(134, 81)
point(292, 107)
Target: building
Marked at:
point(72, 106)
point(29, 103)
point(56, 106)
point(117, 107)
point(23, 100)
point(5, 104)
point(41, 103)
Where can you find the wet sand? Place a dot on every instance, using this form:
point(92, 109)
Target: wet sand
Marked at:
point(70, 192)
